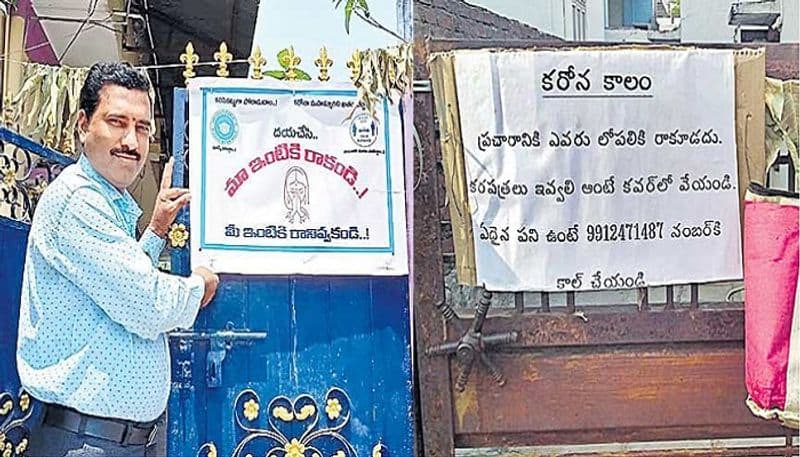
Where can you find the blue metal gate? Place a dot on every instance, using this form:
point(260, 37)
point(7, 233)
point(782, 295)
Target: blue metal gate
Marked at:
point(14, 409)
point(25, 169)
point(291, 366)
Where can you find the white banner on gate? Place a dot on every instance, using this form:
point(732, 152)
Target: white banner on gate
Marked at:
point(285, 181)
point(600, 169)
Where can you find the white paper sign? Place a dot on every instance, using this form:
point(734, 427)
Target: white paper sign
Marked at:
point(600, 169)
point(283, 182)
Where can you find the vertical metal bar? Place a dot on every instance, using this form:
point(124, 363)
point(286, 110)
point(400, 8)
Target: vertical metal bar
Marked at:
point(644, 299)
point(545, 302)
point(570, 302)
point(791, 175)
point(179, 258)
point(436, 399)
point(670, 298)
point(695, 294)
point(519, 302)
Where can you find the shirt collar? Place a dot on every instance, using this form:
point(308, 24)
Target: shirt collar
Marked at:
point(123, 200)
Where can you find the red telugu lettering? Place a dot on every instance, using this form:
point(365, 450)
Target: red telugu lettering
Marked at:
point(285, 151)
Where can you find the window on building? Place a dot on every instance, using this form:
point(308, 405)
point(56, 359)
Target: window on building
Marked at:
point(628, 13)
point(759, 35)
point(614, 14)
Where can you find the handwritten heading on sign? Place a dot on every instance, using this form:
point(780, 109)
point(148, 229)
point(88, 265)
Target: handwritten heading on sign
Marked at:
point(610, 169)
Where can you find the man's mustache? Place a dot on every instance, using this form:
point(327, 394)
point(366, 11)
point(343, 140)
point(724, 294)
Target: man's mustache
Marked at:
point(126, 152)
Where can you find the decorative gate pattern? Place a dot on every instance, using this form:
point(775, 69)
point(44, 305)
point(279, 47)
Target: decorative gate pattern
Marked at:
point(321, 429)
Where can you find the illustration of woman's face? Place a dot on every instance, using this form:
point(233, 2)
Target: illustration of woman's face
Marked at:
point(297, 189)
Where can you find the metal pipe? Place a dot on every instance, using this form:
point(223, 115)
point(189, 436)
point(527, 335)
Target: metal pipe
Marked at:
point(6, 47)
point(96, 22)
point(106, 19)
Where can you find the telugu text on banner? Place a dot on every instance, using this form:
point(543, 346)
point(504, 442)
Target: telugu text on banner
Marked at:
point(600, 169)
point(294, 180)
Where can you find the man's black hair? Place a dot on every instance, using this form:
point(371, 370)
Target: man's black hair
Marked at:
point(116, 73)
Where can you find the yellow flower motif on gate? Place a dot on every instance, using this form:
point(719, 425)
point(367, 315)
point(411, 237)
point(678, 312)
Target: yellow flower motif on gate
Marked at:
point(6, 408)
point(9, 176)
point(333, 408)
point(283, 414)
point(8, 451)
point(306, 412)
point(178, 235)
point(251, 409)
point(24, 401)
point(22, 446)
point(295, 448)
point(38, 188)
point(339, 454)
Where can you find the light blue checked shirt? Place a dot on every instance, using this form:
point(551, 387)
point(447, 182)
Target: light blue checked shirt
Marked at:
point(95, 308)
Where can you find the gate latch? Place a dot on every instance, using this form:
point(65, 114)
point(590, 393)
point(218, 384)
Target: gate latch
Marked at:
point(221, 341)
point(474, 344)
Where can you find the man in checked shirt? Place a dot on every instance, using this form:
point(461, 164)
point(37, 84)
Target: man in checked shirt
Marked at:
point(95, 309)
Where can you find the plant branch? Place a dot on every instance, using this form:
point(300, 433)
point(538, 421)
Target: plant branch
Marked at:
point(378, 25)
point(361, 9)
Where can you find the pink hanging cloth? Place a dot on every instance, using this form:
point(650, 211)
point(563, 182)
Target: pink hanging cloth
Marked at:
point(772, 303)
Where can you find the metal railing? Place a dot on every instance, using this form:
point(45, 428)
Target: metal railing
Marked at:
point(26, 168)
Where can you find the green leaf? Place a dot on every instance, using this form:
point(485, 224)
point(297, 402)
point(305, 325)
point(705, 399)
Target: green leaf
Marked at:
point(348, 12)
point(277, 74)
point(363, 5)
point(301, 75)
point(676, 8)
point(281, 74)
point(283, 57)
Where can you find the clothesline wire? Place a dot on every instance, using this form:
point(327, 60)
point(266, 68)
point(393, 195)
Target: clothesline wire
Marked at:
point(89, 14)
point(141, 67)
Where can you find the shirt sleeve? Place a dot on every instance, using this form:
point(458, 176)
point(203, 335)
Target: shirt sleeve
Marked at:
point(152, 245)
point(111, 267)
point(197, 287)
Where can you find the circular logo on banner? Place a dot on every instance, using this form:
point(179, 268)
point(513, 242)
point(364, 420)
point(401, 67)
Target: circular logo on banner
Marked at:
point(364, 130)
point(224, 126)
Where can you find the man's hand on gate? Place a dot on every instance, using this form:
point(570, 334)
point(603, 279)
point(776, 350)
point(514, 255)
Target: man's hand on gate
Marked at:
point(211, 280)
point(168, 202)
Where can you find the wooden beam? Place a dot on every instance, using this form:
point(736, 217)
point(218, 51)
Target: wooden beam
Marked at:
point(615, 328)
point(620, 395)
point(782, 58)
point(763, 451)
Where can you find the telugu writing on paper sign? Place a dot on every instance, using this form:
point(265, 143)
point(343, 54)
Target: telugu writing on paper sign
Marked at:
point(609, 171)
point(295, 180)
